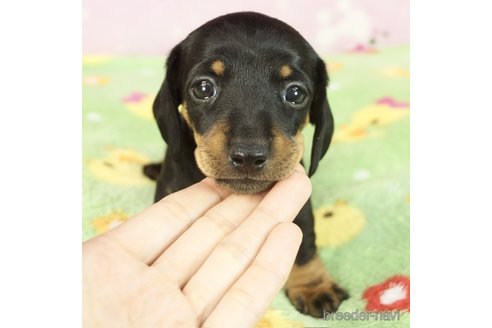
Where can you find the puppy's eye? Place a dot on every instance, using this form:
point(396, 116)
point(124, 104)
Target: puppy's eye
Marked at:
point(204, 89)
point(294, 94)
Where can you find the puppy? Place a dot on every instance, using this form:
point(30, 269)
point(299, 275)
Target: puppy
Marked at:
point(237, 93)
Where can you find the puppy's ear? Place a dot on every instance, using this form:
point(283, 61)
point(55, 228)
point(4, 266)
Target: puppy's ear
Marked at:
point(166, 103)
point(320, 115)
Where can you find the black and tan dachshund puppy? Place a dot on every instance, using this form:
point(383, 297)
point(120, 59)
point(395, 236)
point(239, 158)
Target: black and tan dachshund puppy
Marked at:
point(237, 93)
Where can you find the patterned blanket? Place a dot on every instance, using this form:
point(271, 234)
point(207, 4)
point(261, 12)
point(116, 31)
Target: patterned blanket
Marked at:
point(360, 191)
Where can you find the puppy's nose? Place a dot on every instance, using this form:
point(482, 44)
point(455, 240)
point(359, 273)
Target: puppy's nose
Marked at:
point(248, 158)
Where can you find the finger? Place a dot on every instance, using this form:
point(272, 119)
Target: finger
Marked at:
point(233, 255)
point(149, 233)
point(183, 258)
point(251, 295)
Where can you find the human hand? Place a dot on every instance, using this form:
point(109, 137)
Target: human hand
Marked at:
point(199, 257)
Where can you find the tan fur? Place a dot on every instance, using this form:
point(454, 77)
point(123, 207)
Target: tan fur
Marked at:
point(287, 152)
point(299, 138)
point(308, 284)
point(306, 122)
point(183, 110)
point(212, 149)
point(218, 67)
point(211, 156)
point(301, 276)
point(285, 71)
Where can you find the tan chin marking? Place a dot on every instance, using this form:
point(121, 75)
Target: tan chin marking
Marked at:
point(218, 67)
point(285, 71)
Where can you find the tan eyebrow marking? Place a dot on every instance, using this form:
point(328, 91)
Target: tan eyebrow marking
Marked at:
point(218, 67)
point(285, 71)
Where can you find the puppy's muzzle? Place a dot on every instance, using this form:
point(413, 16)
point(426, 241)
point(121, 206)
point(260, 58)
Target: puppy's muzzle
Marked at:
point(248, 158)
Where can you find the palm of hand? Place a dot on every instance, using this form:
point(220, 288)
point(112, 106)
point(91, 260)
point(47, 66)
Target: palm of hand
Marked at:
point(137, 295)
point(214, 263)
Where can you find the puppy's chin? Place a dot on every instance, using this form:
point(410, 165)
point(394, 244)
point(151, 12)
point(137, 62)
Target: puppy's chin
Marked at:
point(245, 186)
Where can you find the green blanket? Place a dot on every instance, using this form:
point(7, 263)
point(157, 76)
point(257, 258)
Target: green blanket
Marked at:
point(360, 191)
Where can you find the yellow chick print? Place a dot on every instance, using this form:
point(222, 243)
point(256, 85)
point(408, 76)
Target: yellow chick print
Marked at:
point(334, 66)
point(120, 166)
point(94, 60)
point(274, 319)
point(95, 80)
point(337, 224)
point(367, 122)
point(107, 222)
point(396, 72)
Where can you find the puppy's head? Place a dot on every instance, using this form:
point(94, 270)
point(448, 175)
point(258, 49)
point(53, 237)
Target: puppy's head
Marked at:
point(244, 85)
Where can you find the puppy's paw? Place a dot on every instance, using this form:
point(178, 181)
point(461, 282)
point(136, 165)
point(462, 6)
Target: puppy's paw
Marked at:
point(311, 290)
point(314, 301)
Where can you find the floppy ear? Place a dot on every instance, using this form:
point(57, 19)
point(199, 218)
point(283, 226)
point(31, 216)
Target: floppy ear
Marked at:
point(166, 103)
point(320, 115)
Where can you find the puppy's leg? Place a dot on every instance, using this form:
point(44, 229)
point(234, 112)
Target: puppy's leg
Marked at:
point(309, 286)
